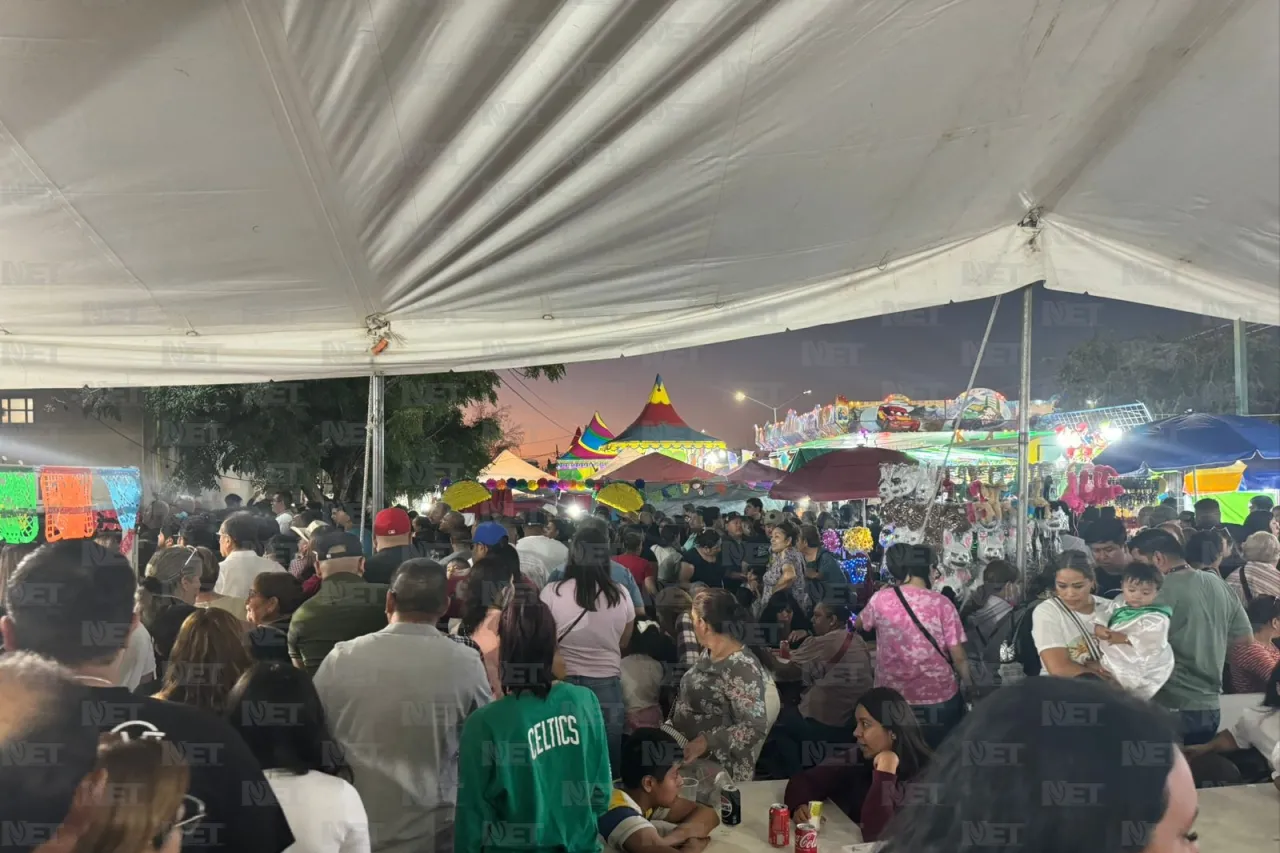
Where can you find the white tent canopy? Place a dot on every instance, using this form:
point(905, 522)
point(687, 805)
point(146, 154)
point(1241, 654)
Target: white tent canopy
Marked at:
point(196, 191)
point(506, 465)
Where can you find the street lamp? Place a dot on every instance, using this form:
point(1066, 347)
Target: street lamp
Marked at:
point(1091, 403)
point(742, 395)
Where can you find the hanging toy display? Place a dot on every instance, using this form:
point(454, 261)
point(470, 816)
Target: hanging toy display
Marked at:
point(957, 561)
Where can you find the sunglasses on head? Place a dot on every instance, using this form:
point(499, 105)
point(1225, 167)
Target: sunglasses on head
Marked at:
point(190, 813)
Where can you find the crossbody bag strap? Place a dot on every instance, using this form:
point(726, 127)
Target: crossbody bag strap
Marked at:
point(1095, 651)
point(923, 630)
point(572, 625)
point(1244, 583)
point(844, 647)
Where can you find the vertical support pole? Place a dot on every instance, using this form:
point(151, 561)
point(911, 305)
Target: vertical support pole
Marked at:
point(1024, 435)
point(377, 443)
point(1241, 350)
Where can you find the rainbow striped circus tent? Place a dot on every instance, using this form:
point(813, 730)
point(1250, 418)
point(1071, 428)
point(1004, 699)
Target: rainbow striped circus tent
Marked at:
point(588, 452)
point(660, 428)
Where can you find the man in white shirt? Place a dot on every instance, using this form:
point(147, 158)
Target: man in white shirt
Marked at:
point(396, 701)
point(237, 539)
point(280, 503)
point(139, 663)
point(540, 548)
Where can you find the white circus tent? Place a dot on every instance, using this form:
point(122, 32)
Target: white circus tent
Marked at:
point(195, 191)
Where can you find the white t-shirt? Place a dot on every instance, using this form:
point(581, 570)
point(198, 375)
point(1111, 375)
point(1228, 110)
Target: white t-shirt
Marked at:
point(551, 552)
point(1259, 727)
point(285, 520)
point(641, 682)
point(324, 812)
point(237, 571)
point(139, 658)
point(1053, 628)
point(592, 648)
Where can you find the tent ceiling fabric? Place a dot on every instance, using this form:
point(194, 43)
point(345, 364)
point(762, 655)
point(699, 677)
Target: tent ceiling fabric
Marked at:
point(196, 191)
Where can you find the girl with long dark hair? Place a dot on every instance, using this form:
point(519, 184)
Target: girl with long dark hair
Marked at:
point(1253, 743)
point(1063, 625)
point(486, 590)
point(893, 747)
point(594, 618)
point(276, 709)
point(533, 766)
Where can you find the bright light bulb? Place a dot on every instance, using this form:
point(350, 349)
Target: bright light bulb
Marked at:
point(574, 511)
point(1112, 434)
point(739, 396)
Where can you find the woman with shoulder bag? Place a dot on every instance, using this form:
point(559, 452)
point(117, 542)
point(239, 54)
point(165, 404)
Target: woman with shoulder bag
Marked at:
point(920, 642)
point(594, 618)
point(1063, 625)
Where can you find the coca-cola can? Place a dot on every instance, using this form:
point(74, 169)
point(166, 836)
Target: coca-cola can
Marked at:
point(806, 838)
point(779, 825)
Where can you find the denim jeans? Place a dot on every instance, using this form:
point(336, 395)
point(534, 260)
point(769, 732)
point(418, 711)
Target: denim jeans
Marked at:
point(609, 692)
point(1198, 727)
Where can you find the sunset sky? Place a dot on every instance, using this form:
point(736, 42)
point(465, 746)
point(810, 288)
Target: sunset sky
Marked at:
point(925, 355)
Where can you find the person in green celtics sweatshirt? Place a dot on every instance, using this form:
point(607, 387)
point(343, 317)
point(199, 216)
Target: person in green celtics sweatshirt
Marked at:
point(533, 767)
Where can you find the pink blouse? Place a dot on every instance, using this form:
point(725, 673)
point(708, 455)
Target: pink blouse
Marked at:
point(905, 660)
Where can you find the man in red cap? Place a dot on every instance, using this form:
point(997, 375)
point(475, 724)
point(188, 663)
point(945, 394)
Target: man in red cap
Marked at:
point(392, 545)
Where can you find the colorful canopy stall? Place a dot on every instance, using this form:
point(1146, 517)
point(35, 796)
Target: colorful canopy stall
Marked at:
point(507, 466)
point(754, 473)
point(1188, 442)
point(659, 428)
point(625, 457)
point(580, 462)
point(839, 475)
point(656, 467)
point(596, 435)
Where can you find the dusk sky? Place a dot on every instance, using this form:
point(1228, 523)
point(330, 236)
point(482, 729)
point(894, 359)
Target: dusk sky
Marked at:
point(925, 355)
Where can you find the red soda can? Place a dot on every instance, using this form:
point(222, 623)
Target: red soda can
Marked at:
point(806, 838)
point(779, 825)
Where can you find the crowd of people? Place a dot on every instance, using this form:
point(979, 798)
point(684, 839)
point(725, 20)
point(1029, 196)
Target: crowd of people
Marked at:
point(280, 677)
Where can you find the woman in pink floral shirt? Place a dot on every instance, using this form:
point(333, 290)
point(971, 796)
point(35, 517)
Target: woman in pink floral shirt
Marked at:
point(928, 674)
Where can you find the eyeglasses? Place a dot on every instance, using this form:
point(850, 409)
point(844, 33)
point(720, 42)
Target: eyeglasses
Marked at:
point(190, 812)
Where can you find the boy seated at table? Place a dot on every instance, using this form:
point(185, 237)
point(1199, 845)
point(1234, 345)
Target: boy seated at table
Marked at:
point(649, 789)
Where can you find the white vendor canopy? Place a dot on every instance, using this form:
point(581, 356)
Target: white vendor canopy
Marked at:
point(203, 191)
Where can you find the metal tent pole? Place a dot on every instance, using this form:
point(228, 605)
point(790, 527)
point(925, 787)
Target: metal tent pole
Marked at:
point(1242, 367)
point(1024, 434)
point(377, 464)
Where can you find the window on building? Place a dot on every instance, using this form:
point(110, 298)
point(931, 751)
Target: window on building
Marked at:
point(17, 410)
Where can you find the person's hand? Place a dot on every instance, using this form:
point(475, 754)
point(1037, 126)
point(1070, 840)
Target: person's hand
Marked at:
point(801, 814)
point(695, 845)
point(695, 748)
point(797, 637)
point(1195, 751)
point(886, 762)
point(1101, 632)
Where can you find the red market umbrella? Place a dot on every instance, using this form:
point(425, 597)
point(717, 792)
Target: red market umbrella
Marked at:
point(660, 468)
point(840, 475)
point(752, 472)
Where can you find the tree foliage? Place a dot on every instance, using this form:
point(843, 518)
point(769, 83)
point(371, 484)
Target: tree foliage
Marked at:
point(1173, 375)
point(311, 435)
